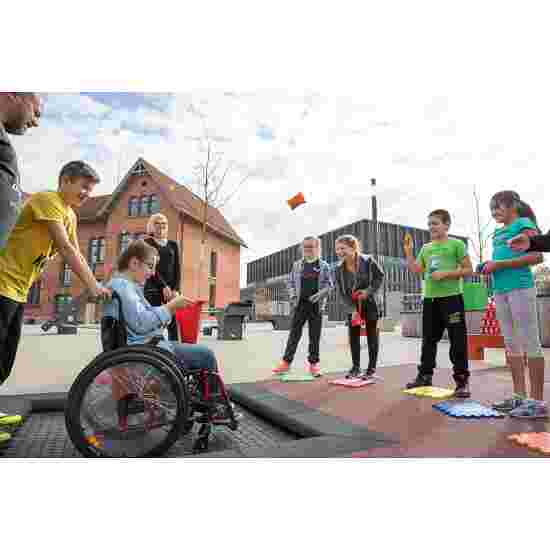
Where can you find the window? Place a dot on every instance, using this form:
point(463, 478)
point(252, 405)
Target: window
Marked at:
point(139, 170)
point(212, 296)
point(66, 275)
point(61, 300)
point(144, 206)
point(213, 264)
point(155, 205)
point(133, 207)
point(124, 241)
point(97, 251)
point(34, 294)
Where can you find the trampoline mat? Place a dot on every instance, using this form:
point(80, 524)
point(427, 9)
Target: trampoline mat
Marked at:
point(43, 435)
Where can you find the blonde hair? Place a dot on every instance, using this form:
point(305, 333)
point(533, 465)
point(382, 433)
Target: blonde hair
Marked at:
point(152, 221)
point(350, 240)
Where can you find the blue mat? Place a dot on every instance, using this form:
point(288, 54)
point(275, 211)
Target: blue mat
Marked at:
point(467, 409)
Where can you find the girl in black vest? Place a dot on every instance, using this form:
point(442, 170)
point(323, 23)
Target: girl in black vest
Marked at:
point(159, 288)
point(358, 277)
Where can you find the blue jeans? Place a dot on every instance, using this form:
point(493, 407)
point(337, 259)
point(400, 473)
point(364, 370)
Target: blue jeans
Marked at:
point(193, 356)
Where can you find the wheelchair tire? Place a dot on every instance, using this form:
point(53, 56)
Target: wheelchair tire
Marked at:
point(141, 356)
point(187, 425)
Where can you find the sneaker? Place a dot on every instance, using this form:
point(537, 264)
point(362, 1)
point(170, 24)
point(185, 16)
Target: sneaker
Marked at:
point(282, 368)
point(368, 374)
point(354, 372)
point(10, 419)
point(508, 405)
point(530, 408)
point(236, 414)
point(314, 369)
point(420, 381)
point(4, 437)
point(462, 390)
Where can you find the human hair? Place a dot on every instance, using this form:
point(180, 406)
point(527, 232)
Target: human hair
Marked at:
point(312, 238)
point(443, 215)
point(152, 221)
point(78, 169)
point(136, 249)
point(511, 199)
point(350, 240)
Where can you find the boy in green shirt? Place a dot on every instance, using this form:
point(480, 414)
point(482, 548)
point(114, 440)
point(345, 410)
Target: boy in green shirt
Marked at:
point(444, 262)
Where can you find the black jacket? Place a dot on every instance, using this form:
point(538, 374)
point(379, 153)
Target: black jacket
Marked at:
point(167, 273)
point(11, 196)
point(369, 277)
point(539, 243)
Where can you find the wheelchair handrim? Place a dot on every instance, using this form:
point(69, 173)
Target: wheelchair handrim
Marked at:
point(150, 388)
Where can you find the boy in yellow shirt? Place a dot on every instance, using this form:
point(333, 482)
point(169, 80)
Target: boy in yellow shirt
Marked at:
point(45, 227)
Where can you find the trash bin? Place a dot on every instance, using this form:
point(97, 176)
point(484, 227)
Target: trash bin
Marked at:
point(231, 319)
point(476, 296)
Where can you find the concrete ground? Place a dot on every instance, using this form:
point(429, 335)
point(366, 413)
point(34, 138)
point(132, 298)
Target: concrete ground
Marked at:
point(50, 362)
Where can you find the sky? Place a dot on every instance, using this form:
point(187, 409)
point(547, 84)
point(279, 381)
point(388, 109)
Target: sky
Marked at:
point(430, 103)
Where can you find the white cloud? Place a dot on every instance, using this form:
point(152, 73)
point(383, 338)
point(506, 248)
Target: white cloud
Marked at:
point(426, 146)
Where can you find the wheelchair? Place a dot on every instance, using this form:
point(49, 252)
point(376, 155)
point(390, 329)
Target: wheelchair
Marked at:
point(137, 400)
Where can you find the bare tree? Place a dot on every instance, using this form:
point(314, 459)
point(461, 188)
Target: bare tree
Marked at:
point(216, 180)
point(483, 230)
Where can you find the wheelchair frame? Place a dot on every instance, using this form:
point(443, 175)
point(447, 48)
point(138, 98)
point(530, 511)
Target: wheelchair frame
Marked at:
point(199, 394)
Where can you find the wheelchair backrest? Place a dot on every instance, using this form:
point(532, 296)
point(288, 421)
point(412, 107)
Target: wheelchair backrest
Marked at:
point(113, 331)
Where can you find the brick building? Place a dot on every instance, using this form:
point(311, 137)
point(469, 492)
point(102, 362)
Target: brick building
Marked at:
point(107, 223)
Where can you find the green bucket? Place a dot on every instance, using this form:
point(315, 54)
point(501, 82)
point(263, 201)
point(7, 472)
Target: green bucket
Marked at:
point(476, 296)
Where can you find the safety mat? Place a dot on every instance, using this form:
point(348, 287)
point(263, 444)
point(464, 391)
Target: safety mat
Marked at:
point(467, 409)
point(535, 441)
point(430, 391)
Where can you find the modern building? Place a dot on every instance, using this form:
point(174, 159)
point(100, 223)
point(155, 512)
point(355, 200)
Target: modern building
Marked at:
point(108, 223)
point(267, 276)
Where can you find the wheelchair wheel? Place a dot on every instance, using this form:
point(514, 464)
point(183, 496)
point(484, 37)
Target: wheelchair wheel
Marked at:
point(171, 362)
point(126, 403)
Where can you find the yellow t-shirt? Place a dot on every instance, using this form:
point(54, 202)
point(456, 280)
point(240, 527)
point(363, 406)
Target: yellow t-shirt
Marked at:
point(30, 245)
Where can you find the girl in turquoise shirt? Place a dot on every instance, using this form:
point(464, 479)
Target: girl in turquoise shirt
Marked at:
point(515, 299)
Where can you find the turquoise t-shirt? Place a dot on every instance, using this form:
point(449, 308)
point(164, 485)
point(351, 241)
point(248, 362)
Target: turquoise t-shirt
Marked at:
point(505, 280)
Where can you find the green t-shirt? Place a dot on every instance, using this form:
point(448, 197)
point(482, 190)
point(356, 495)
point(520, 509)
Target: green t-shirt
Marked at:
point(441, 256)
point(505, 280)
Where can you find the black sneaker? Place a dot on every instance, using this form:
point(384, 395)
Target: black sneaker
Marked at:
point(369, 373)
point(354, 372)
point(462, 390)
point(420, 381)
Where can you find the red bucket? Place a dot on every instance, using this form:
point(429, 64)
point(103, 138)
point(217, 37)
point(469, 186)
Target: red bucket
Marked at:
point(189, 320)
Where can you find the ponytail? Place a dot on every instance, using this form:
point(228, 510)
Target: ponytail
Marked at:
point(525, 211)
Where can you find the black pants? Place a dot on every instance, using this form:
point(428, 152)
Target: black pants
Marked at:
point(304, 311)
point(173, 332)
point(373, 343)
point(11, 321)
point(439, 314)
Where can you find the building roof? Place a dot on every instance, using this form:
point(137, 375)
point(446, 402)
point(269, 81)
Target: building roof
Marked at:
point(188, 203)
point(181, 198)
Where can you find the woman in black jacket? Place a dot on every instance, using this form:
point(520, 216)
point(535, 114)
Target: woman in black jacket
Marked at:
point(358, 277)
point(535, 243)
point(159, 288)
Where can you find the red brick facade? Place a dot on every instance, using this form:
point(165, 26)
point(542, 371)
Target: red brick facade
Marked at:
point(108, 217)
